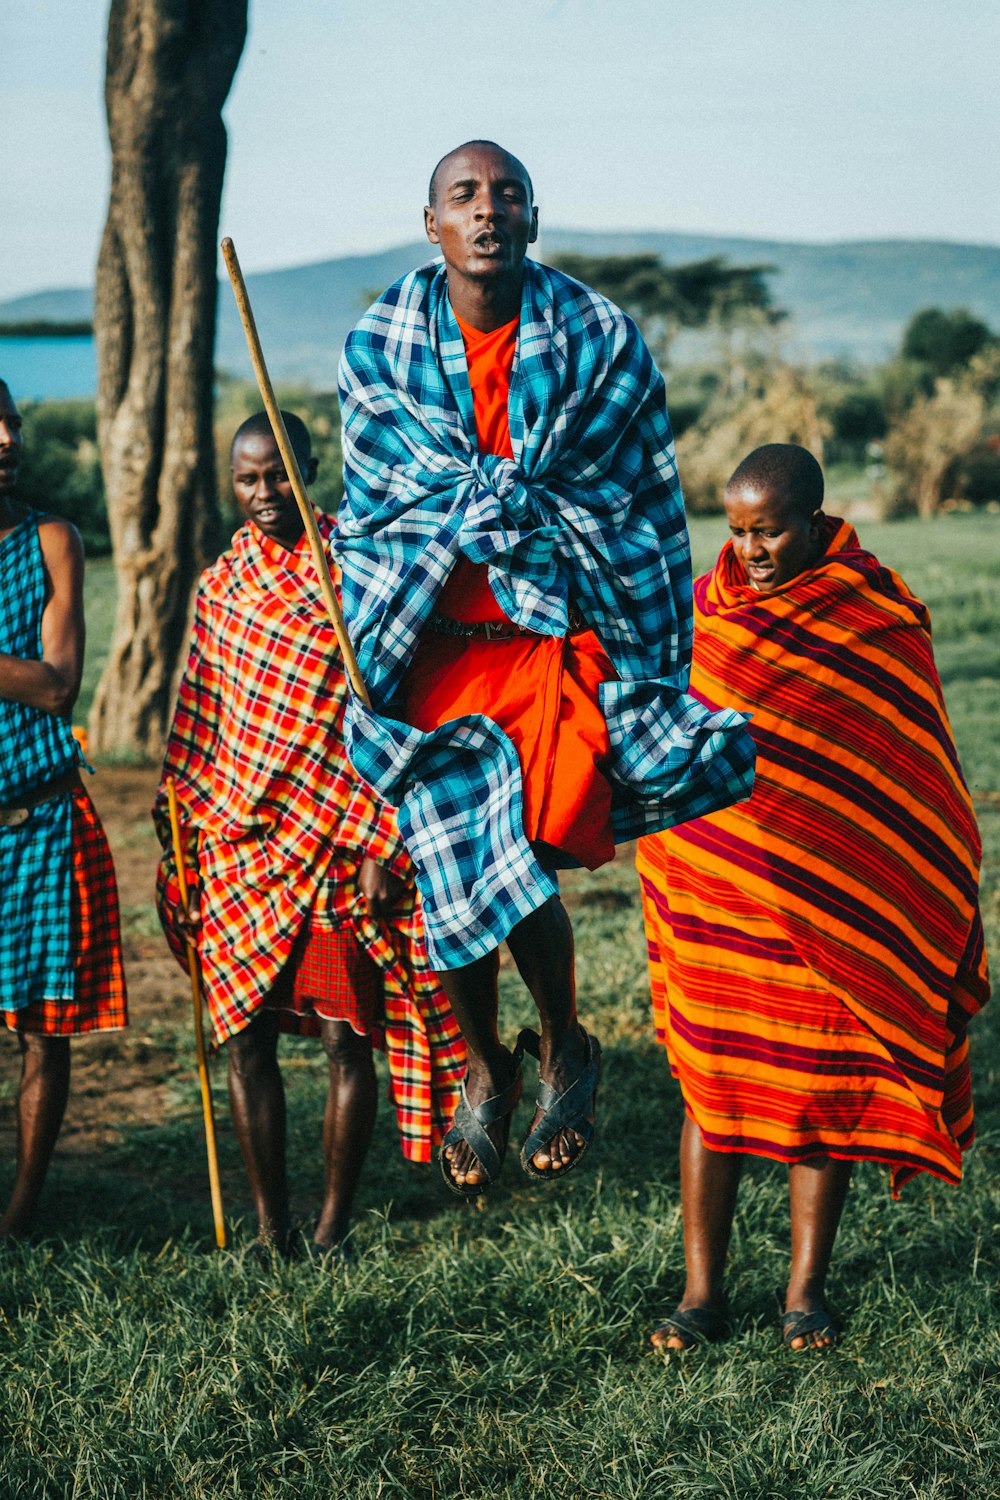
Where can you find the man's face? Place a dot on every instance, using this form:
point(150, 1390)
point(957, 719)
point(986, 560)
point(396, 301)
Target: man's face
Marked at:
point(482, 216)
point(11, 441)
point(263, 491)
point(773, 540)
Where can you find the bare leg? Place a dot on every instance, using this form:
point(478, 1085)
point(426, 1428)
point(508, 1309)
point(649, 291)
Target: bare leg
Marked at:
point(41, 1104)
point(709, 1184)
point(347, 1125)
point(816, 1193)
point(542, 947)
point(257, 1102)
point(472, 993)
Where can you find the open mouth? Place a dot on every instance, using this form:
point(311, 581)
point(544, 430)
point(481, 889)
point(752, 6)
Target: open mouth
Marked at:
point(489, 244)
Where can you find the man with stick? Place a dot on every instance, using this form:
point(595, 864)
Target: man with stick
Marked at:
point(60, 944)
point(517, 586)
point(304, 909)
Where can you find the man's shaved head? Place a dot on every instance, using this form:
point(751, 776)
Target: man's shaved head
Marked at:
point(259, 425)
point(520, 169)
point(787, 470)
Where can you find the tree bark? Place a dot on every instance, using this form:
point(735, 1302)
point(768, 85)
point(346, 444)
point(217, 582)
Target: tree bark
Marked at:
point(170, 64)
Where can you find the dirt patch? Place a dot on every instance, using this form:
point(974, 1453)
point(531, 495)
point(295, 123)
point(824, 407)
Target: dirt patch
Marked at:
point(120, 1077)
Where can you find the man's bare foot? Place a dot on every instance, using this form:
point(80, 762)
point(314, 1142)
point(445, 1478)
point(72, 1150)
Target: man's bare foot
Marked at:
point(568, 1078)
point(491, 1094)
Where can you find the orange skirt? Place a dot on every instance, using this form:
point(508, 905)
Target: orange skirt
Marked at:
point(544, 693)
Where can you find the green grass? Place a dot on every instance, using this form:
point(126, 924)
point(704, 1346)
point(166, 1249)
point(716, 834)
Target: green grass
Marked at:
point(501, 1350)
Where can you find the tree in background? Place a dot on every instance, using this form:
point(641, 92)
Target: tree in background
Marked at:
point(664, 300)
point(925, 448)
point(944, 341)
point(170, 64)
point(779, 407)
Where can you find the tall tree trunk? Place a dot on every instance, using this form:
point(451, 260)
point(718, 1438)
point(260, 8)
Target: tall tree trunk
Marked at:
point(170, 64)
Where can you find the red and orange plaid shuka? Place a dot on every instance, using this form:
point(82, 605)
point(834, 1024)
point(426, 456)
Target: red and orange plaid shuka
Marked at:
point(276, 825)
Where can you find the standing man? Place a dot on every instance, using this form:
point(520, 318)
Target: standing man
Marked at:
point(60, 944)
point(817, 953)
point(517, 585)
point(307, 919)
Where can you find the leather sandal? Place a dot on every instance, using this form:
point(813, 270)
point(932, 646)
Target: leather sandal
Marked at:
point(469, 1124)
point(799, 1325)
point(695, 1325)
point(565, 1111)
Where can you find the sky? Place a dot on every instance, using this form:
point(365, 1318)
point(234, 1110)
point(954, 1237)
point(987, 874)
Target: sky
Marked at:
point(775, 119)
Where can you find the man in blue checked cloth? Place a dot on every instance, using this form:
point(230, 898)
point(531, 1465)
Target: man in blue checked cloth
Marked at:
point(517, 583)
point(60, 940)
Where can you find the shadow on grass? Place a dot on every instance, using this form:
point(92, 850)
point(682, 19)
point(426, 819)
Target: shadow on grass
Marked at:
point(153, 1184)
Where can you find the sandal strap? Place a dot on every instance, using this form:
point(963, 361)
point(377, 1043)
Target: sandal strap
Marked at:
point(565, 1109)
point(469, 1122)
point(797, 1324)
point(703, 1325)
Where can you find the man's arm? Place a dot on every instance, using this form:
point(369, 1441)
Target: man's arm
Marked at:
point(53, 683)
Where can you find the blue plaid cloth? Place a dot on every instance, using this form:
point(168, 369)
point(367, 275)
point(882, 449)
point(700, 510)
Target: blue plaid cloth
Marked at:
point(36, 872)
point(588, 514)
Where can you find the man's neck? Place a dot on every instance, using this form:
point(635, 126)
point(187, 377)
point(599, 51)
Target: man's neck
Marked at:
point(486, 306)
point(10, 513)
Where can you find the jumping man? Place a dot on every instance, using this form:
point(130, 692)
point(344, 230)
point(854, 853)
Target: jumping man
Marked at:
point(517, 585)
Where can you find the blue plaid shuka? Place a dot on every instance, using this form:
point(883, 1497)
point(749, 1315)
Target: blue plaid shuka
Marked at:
point(589, 514)
point(36, 874)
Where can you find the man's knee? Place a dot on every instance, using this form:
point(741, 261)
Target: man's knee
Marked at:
point(345, 1049)
point(254, 1049)
point(44, 1054)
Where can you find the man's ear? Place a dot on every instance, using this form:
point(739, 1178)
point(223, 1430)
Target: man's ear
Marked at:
point(532, 237)
point(430, 225)
point(312, 469)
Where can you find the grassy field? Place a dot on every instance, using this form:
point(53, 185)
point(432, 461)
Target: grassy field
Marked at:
point(501, 1350)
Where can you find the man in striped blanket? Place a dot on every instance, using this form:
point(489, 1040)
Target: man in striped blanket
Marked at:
point(307, 918)
point(517, 586)
point(60, 944)
point(817, 952)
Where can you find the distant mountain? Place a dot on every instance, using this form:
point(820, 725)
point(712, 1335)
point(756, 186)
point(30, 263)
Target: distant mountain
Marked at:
point(850, 299)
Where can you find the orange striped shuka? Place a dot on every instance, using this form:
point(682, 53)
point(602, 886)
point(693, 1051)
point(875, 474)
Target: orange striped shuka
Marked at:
point(277, 823)
point(816, 952)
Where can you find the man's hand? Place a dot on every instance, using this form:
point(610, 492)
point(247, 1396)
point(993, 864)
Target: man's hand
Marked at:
point(189, 923)
point(380, 888)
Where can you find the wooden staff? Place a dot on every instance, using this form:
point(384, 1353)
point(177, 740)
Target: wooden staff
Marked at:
point(199, 1034)
point(292, 469)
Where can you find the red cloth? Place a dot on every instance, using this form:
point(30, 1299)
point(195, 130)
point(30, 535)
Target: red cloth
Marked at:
point(331, 977)
point(543, 692)
point(277, 824)
point(99, 1003)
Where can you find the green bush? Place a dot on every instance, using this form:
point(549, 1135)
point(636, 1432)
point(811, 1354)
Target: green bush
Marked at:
point(62, 468)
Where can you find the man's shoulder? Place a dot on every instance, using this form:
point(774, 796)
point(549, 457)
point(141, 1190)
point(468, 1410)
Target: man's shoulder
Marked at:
point(402, 300)
point(219, 579)
point(574, 299)
point(61, 543)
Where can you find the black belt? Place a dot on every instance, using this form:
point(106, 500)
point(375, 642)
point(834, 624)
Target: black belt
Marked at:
point(493, 630)
point(17, 813)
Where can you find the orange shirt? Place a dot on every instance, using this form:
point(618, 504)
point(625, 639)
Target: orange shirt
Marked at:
point(467, 594)
point(490, 357)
